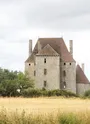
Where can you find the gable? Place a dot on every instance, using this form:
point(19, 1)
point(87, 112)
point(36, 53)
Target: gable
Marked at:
point(47, 51)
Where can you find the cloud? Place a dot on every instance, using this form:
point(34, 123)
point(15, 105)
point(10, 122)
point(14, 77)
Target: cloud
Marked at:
point(24, 19)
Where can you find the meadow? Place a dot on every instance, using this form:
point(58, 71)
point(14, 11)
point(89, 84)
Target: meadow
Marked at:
point(44, 110)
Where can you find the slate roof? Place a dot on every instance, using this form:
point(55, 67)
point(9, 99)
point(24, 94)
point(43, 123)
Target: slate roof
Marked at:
point(48, 51)
point(30, 58)
point(80, 76)
point(58, 45)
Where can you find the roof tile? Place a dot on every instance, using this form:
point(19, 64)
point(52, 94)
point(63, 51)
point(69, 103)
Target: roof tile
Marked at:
point(80, 76)
point(58, 45)
point(47, 50)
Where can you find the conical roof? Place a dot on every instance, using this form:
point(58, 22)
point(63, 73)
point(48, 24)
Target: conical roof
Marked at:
point(80, 76)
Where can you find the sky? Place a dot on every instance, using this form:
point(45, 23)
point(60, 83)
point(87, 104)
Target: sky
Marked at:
point(21, 20)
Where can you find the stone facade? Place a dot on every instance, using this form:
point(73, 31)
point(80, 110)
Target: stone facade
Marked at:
point(81, 88)
point(29, 69)
point(52, 66)
point(52, 74)
point(68, 76)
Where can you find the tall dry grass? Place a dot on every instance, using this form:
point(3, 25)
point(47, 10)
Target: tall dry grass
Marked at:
point(59, 118)
point(54, 110)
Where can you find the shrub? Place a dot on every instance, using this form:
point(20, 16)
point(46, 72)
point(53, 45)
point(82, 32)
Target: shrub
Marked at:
point(69, 118)
point(30, 92)
point(87, 94)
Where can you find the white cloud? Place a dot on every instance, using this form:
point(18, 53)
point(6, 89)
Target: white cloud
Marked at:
point(24, 19)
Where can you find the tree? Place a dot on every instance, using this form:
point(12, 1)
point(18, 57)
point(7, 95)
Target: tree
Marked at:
point(24, 82)
point(12, 83)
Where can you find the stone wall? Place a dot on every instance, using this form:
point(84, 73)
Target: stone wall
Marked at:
point(29, 68)
point(69, 76)
point(81, 88)
point(52, 77)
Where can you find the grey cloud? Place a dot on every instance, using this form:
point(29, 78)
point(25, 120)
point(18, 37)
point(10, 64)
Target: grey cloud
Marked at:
point(53, 14)
point(20, 19)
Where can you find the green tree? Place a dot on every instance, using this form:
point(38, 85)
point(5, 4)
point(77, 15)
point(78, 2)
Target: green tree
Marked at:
point(13, 82)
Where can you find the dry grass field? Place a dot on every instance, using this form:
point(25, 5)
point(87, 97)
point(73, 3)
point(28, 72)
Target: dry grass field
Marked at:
point(53, 110)
point(45, 105)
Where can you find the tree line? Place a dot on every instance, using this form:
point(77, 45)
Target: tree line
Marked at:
point(12, 83)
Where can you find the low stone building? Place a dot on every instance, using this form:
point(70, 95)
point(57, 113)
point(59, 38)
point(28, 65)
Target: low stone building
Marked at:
point(52, 66)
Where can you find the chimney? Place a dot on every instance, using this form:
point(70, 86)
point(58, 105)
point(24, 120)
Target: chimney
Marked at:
point(39, 46)
point(30, 47)
point(83, 66)
point(71, 47)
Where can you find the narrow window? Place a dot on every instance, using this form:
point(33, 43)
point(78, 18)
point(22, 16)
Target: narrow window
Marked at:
point(64, 84)
point(70, 63)
point(44, 60)
point(45, 83)
point(45, 71)
point(29, 64)
point(64, 73)
point(34, 63)
point(34, 73)
point(64, 63)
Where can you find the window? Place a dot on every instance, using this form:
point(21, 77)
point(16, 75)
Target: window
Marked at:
point(64, 84)
point(44, 60)
point(70, 63)
point(45, 71)
point(45, 83)
point(34, 73)
point(29, 64)
point(64, 73)
point(64, 63)
point(34, 63)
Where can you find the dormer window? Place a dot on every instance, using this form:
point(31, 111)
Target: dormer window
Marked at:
point(44, 60)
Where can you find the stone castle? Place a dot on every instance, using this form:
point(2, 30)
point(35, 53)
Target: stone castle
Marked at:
point(52, 66)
